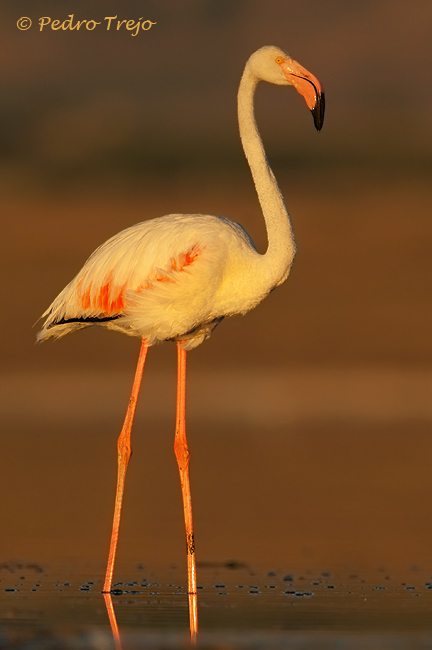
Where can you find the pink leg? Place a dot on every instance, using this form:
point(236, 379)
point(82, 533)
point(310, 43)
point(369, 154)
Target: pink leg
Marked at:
point(124, 452)
point(182, 454)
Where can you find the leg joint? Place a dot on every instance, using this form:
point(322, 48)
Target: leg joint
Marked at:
point(182, 452)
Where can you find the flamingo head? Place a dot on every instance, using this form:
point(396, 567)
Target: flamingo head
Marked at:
point(271, 64)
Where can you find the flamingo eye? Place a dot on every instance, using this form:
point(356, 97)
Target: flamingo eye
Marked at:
point(279, 59)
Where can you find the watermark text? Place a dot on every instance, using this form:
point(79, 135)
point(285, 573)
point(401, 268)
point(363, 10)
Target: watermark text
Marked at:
point(110, 23)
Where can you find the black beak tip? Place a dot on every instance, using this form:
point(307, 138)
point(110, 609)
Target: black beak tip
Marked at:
point(318, 112)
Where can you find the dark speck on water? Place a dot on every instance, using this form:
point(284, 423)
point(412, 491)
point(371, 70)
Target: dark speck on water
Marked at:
point(288, 578)
point(233, 564)
point(116, 592)
point(220, 586)
point(330, 586)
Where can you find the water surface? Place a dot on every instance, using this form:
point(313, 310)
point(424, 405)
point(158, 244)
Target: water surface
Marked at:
point(238, 608)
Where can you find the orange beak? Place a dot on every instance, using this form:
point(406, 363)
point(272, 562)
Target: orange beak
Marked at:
point(308, 86)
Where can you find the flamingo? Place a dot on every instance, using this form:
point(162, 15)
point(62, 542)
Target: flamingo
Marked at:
point(176, 277)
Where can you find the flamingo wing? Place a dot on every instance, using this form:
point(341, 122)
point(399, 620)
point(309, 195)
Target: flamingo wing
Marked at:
point(156, 280)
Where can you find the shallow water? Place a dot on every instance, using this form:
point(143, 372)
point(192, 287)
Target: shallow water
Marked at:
point(238, 608)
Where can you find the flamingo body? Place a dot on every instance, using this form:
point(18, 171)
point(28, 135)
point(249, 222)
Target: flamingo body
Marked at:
point(169, 278)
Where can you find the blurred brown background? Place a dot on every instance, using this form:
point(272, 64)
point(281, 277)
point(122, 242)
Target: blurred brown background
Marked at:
point(309, 420)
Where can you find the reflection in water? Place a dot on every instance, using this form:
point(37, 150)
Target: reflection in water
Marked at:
point(112, 620)
point(193, 619)
point(193, 616)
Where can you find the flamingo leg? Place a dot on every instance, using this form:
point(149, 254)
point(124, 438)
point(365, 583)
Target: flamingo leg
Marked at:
point(124, 453)
point(182, 454)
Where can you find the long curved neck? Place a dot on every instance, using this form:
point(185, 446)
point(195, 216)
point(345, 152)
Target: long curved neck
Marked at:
point(281, 244)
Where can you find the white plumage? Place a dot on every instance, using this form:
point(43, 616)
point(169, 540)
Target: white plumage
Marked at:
point(173, 275)
point(176, 277)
